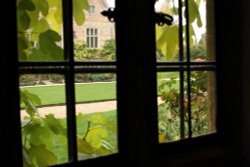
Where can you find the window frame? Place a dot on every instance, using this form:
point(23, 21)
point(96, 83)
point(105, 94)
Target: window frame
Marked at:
point(92, 9)
point(145, 144)
point(92, 38)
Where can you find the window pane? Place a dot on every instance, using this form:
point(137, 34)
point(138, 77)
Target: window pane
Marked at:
point(201, 30)
point(91, 9)
point(169, 120)
point(202, 102)
point(100, 29)
point(96, 115)
point(43, 113)
point(167, 37)
point(39, 31)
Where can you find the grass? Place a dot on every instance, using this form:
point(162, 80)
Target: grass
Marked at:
point(90, 92)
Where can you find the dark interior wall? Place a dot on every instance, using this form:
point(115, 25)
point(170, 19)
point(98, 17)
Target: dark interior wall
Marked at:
point(246, 80)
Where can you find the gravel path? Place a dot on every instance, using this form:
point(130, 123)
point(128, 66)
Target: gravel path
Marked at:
point(84, 108)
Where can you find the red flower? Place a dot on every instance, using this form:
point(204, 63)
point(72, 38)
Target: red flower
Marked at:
point(199, 60)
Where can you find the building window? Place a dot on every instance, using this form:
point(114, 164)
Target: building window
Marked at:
point(92, 38)
point(91, 9)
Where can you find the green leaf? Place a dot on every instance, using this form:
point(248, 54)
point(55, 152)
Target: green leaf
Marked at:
point(38, 24)
point(194, 13)
point(38, 134)
point(95, 136)
point(26, 158)
point(84, 147)
point(55, 125)
point(23, 20)
point(26, 5)
point(54, 3)
point(41, 26)
point(167, 41)
point(48, 48)
point(42, 156)
point(41, 6)
point(30, 101)
point(98, 119)
point(33, 97)
point(78, 7)
point(55, 15)
point(55, 20)
point(22, 46)
point(103, 151)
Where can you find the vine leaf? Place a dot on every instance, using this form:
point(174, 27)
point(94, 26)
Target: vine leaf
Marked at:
point(42, 156)
point(55, 125)
point(95, 136)
point(78, 10)
point(84, 147)
point(194, 13)
point(37, 133)
point(30, 100)
point(167, 40)
point(48, 48)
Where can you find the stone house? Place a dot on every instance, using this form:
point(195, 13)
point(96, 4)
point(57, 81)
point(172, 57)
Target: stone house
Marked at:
point(96, 28)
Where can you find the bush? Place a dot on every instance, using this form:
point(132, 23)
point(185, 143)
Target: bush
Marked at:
point(169, 111)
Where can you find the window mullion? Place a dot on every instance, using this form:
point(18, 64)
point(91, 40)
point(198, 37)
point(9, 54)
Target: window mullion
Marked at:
point(69, 77)
point(136, 76)
point(188, 69)
point(181, 81)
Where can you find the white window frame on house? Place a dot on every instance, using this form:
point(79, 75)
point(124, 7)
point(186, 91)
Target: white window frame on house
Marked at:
point(92, 9)
point(92, 38)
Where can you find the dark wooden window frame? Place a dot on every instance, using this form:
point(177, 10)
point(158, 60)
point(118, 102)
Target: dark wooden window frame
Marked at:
point(137, 105)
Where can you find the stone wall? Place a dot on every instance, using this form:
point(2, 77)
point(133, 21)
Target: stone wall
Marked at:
point(97, 21)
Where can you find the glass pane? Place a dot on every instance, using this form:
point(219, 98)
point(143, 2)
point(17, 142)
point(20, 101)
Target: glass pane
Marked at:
point(203, 102)
point(202, 41)
point(43, 113)
point(169, 120)
point(167, 37)
point(96, 115)
point(39, 30)
point(98, 43)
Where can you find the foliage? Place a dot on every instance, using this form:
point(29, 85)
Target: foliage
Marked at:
point(108, 51)
point(39, 35)
point(167, 36)
point(169, 111)
point(45, 138)
point(39, 25)
point(81, 52)
point(198, 51)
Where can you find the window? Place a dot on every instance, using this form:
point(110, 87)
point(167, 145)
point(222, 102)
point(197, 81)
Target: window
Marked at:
point(186, 70)
point(136, 71)
point(92, 37)
point(91, 9)
point(67, 100)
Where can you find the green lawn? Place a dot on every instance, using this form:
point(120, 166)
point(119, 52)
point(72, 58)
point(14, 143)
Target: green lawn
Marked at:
point(88, 92)
point(55, 94)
